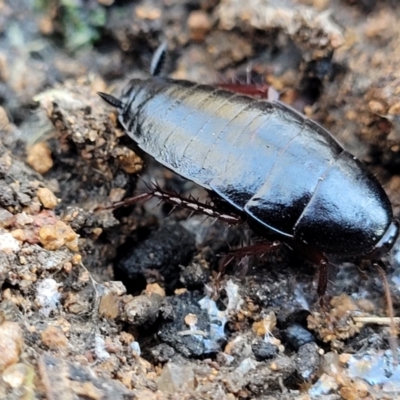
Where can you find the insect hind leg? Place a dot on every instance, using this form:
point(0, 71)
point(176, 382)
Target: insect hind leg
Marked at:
point(320, 261)
point(178, 201)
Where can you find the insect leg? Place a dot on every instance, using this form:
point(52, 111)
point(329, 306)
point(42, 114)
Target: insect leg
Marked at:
point(261, 91)
point(258, 250)
point(177, 200)
point(320, 261)
point(322, 281)
point(129, 201)
point(380, 266)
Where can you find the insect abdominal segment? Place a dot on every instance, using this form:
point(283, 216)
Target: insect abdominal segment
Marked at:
point(111, 100)
point(158, 60)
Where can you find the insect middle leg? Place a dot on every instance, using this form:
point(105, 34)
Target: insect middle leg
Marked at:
point(259, 250)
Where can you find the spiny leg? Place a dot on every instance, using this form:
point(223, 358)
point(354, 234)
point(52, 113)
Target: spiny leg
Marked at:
point(259, 250)
point(177, 200)
point(380, 266)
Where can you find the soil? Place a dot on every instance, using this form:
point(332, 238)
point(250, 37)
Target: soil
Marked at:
point(130, 303)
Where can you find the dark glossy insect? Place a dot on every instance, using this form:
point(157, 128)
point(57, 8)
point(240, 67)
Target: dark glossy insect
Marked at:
point(282, 173)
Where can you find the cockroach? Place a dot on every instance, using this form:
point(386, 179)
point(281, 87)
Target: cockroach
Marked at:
point(269, 165)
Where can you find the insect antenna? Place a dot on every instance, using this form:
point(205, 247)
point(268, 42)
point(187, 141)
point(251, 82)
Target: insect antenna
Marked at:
point(113, 101)
point(379, 265)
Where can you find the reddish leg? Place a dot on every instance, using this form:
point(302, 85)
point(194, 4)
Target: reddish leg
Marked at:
point(321, 262)
point(380, 266)
point(258, 249)
point(322, 281)
point(251, 89)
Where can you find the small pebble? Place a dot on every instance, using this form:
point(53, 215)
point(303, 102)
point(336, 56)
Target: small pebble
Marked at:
point(308, 361)
point(109, 306)
point(263, 350)
point(394, 109)
point(23, 219)
point(266, 325)
point(130, 162)
point(19, 234)
point(15, 375)
point(154, 288)
point(142, 309)
point(39, 158)
point(298, 336)
point(196, 274)
point(324, 385)
point(47, 296)
point(47, 198)
point(4, 121)
point(162, 353)
point(53, 237)
point(199, 25)
point(11, 341)
point(174, 378)
point(8, 243)
point(191, 320)
point(6, 218)
point(54, 338)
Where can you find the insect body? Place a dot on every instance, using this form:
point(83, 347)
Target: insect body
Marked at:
point(282, 172)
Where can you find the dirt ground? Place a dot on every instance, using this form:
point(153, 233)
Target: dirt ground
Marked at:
point(128, 303)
